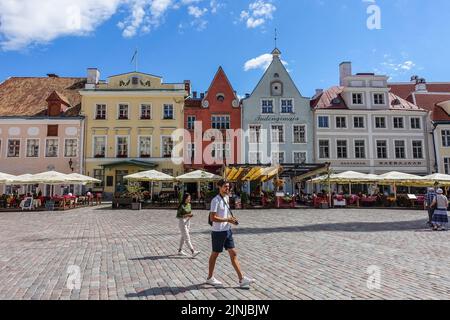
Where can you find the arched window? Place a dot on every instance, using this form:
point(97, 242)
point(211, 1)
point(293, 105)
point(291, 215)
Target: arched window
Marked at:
point(220, 97)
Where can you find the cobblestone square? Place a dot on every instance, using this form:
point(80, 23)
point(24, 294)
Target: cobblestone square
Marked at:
point(293, 254)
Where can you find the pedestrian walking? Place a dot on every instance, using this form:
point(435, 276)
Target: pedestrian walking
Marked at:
point(184, 216)
point(440, 216)
point(221, 220)
point(431, 194)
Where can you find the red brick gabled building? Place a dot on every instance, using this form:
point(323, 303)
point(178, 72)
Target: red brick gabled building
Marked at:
point(218, 110)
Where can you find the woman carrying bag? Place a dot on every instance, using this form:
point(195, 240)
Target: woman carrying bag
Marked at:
point(440, 216)
point(184, 215)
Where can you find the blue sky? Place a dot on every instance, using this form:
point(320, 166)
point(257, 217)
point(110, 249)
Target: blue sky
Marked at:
point(189, 39)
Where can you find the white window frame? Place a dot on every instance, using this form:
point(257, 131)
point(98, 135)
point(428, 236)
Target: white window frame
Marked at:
point(306, 133)
point(446, 165)
point(442, 138)
point(398, 117)
point(250, 134)
point(379, 93)
point(163, 111)
point(335, 122)
point(59, 147)
point(117, 146)
point(20, 148)
point(162, 147)
point(78, 148)
point(318, 121)
point(261, 105)
point(423, 149)
point(387, 149)
point(278, 152)
point(106, 111)
point(221, 115)
point(293, 105)
point(106, 145)
point(365, 149)
point(293, 156)
point(330, 156)
point(362, 99)
point(128, 111)
point(139, 145)
point(187, 122)
point(39, 148)
point(406, 149)
point(364, 122)
point(385, 122)
point(420, 123)
point(284, 133)
point(347, 146)
point(190, 149)
point(140, 111)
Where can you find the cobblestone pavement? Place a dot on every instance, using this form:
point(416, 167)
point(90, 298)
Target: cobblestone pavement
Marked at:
point(301, 254)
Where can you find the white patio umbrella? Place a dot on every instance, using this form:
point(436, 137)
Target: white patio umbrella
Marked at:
point(396, 178)
point(150, 176)
point(438, 178)
point(50, 177)
point(21, 180)
point(198, 177)
point(5, 178)
point(77, 178)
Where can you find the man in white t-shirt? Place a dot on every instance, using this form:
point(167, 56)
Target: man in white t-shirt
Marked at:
point(222, 236)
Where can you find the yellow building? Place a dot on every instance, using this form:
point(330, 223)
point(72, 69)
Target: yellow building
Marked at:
point(129, 123)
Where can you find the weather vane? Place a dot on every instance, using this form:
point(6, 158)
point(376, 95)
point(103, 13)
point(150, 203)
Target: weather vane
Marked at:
point(276, 37)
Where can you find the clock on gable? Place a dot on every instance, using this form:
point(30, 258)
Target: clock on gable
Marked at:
point(276, 88)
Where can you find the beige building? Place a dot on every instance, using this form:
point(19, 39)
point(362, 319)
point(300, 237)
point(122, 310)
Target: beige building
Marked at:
point(129, 122)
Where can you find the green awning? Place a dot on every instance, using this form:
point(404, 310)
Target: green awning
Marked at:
point(135, 163)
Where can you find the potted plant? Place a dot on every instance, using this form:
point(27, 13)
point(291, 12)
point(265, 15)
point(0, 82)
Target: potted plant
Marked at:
point(135, 193)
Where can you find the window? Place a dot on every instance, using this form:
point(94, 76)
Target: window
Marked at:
point(220, 122)
point(123, 112)
point(358, 122)
point(382, 149)
point(277, 157)
point(191, 122)
point(417, 149)
point(100, 112)
point(167, 147)
point(168, 112)
point(146, 112)
point(255, 134)
point(277, 134)
point(99, 147)
point(445, 138)
point(32, 148)
point(220, 97)
point(13, 148)
point(360, 149)
point(51, 148)
point(122, 147)
point(287, 106)
point(380, 122)
point(341, 122)
point(323, 122)
point(357, 98)
point(341, 146)
point(254, 157)
point(167, 185)
point(299, 157)
point(191, 151)
point(145, 147)
point(398, 123)
point(221, 151)
point(415, 123)
point(378, 98)
point(100, 175)
point(400, 152)
point(71, 148)
point(134, 81)
point(447, 165)
point(324, 149)
point(52, 130)
point(299, 133)
point(267, 106)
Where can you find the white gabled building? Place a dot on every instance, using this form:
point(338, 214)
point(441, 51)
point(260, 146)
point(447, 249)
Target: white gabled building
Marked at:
point(360, 125)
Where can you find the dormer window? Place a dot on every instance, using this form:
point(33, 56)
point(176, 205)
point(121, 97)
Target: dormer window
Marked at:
point(357, 98)
point(378, 99)
point(276, 75)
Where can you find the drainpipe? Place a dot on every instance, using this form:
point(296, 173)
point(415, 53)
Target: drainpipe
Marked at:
point(436, 167)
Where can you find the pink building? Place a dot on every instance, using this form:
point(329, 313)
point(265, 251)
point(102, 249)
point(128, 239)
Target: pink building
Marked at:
point(41, 128)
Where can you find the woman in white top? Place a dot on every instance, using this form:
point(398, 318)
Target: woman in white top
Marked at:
point(440, 216)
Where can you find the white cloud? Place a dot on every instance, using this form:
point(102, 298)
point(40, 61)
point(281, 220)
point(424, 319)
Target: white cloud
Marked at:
point(196, 11)
point(261, 62)
point(258, 13)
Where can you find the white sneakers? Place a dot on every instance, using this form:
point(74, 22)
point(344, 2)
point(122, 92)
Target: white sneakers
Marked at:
point(195, 253)
point(184, 254)
point(214, 282)
point(244, 283)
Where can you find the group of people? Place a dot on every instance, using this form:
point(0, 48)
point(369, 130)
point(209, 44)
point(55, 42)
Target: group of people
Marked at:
point(221, 220)
point(437, 204)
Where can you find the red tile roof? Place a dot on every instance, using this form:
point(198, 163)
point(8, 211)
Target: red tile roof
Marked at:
point(430, 101)
point(404, 90)
point(325, 101)
point(27, 96)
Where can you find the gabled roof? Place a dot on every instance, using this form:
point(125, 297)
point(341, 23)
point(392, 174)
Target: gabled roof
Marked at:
point(220, 74)
point(325, 101)
point(59, 96)
point(405, 89)
point(131, 72)
point(27, 96)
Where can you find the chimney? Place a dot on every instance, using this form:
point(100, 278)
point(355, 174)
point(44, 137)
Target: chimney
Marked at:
point(318, 91)
point(247, 95)
point(202, 95)
point(52, 75)
point(187, 86)
point(421, 85)
point(93, 78)
point(345, 70)
point(194, 94)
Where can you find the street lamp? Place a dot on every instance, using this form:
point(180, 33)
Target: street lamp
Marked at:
point(70, 164)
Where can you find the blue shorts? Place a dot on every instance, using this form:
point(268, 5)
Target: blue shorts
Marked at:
point(221, 240)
